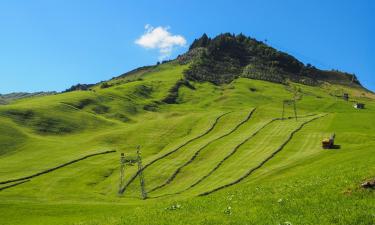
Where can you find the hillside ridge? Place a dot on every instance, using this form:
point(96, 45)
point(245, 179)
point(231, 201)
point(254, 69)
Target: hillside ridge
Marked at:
point(228, 56)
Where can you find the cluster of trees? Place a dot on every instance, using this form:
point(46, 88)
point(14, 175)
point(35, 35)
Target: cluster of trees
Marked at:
point(172, 97)
point(86, 87)
point(228, 56)
point(258, 72)
point(163, 61)
point(79, 87)
point(105, 85)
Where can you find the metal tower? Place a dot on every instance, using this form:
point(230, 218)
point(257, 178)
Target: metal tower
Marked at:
point(122, 171)
point(140, 174)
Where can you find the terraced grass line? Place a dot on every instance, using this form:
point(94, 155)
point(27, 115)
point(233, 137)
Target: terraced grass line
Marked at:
point(70, 105)
point(230, 154)
point(225, 158)
point(264, 161)
point(13, 185)
point(173, 151)
point(55, 168)
point(171, 178)
point(236, 148)
point(92, 113)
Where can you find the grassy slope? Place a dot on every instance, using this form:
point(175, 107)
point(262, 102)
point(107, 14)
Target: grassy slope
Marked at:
point(302, 184)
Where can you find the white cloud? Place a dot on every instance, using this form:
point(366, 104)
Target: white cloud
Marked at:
point(160, 38)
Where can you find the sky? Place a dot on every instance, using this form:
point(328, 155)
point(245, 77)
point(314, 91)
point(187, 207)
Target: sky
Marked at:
point(50, 45)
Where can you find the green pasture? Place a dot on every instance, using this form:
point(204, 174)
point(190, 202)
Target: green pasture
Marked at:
point(227, 142)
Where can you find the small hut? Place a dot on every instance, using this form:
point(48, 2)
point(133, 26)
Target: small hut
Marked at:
point(346, 96)
point(359, 105)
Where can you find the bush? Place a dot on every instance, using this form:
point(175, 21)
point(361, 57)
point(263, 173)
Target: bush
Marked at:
point(173, 92)
point(121, 117)
point(105, 85)
point(152, 107)
point(100, 109)
point(260, 73)
point(79, 87)
point(84, 102)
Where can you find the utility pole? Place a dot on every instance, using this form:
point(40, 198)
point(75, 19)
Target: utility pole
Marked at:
point(140, 174)
point(294, 102)
point(282, 115)
point(122, 171)
point(295, 108)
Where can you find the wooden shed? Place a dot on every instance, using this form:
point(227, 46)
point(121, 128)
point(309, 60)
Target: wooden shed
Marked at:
point(346, 96)
point(359, 105)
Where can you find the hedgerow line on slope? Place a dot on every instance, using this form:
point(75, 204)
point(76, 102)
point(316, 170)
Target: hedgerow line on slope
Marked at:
point(92, 113)
point(177, 171)
point(69, 105)
point(56, 167)
point(232, 153)
point(281, 147)
point(121, 191)
point(13, 185)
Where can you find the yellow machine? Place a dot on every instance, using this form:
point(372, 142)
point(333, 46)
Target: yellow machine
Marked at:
point(328, 143)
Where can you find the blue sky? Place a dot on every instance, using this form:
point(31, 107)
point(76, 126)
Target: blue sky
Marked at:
point(50, 45)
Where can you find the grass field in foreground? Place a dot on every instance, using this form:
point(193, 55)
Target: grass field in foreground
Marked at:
point(205, 141)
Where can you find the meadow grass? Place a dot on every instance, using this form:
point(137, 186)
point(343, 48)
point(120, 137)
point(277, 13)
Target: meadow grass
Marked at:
point(187, 153)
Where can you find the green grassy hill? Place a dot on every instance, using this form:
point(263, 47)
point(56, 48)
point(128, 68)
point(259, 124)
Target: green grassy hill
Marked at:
point(217, 155)
point(7, 98)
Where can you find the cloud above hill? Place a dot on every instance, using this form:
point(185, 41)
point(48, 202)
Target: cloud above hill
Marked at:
point(160, 38)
